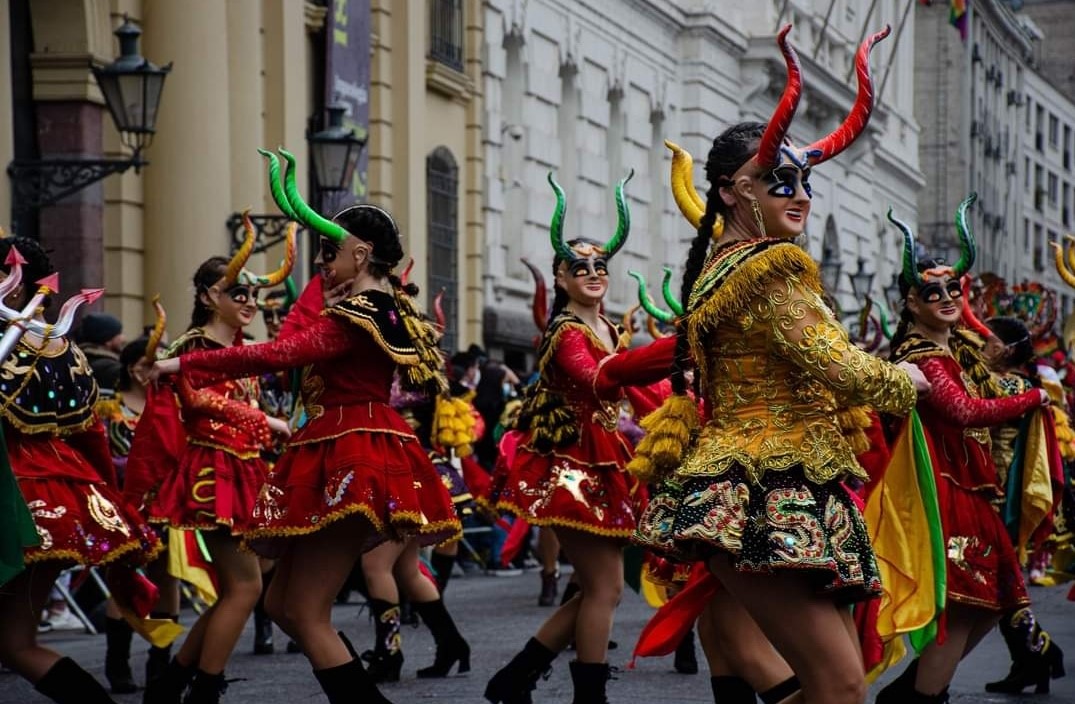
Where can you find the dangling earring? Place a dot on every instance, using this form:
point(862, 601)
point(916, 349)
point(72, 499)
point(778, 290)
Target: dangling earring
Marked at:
point(758, 217)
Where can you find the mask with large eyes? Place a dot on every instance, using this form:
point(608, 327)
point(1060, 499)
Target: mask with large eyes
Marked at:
point(242, 294)
point(782, 181)
point(935, 291)
point(582, 268)
point(329, 250)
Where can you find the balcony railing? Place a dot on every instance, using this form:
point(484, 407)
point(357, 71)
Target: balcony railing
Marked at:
point(446, 32)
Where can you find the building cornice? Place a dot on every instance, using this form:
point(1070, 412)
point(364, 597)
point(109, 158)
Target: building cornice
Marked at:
point(1002, 20)
point(450, 83)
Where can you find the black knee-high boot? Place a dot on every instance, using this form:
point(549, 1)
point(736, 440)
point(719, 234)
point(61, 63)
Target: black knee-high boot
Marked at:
point(169, 687)
point(686, 661)
point(513, 683)
point(263, 630)
point(158, 658)
point(348, 683)
point(118, 656)
point(589, 679)
point(728, 689)
point(386, 659)
point(67, 683)
point(442, 565)
point(900, 689)
point(780, 692)
point(1035, 658)
point(206, 688)
point(451, 646)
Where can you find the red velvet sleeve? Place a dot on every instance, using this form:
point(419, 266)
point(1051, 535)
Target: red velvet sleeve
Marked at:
point(222, 408)
point(92, 443)
point(305, 311)
point(949, 400)
point(637, 367)
point(326, 339)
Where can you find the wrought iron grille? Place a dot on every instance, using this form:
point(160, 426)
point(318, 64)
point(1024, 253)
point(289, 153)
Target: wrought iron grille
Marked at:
point(446, 32)
point(442, 184)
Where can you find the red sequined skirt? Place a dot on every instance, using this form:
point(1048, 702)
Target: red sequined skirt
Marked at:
point(983, 569)
point(572, 487)
point(79, 518)
point(385, 477)
point(211, 489)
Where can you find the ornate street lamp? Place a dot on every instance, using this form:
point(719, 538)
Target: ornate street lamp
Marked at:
point(861, 280)
point(131, 86)
point(335, 152)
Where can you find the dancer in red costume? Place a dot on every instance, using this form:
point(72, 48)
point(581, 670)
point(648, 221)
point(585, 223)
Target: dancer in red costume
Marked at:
point(354, 475)
point(984, 578)
point(568, 471)
point(216, 481)
point(59, 455)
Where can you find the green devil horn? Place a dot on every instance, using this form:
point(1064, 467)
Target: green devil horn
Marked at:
point(623, 219)
point(305, 213)
point(276, 187)
point(556, 227)
point(886, 324)
point(647, 302)
point(669, 297)
point(967, 248)
point(910, 256)
point(292, 291)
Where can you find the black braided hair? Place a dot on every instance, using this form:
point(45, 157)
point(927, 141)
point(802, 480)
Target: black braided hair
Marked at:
point(207, 275)
point(731, 149)
point(37, 266)
point(128, 357)
point(906, 317)
point(560, 299)
point(1016, 337)
point(375, 226)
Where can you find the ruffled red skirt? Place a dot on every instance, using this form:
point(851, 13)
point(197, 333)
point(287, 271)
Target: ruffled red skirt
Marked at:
point(983, 569)
point(79, 518)
point(385, 477)
point(581, 486)
point(211, 489)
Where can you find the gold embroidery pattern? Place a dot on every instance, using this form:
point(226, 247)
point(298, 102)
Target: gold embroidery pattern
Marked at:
point(206, 481)
point(575, 481)
point(726, 521)
point(39, 511)
point(798, 537)
point(312, 387)
point(267, 507)
point(841, 531)
point(105, 513)
point(336, 487)
point(959, 548)
point(777, 370)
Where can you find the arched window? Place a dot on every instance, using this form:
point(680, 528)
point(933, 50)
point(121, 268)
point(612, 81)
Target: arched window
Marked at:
point(831, 266)
point(442, 191)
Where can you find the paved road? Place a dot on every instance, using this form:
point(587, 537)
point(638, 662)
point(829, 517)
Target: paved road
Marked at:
point(497, 615)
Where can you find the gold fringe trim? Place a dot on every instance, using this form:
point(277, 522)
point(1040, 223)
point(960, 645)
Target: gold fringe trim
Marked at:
point(554, 522)
point(854, 422)
point(251, 455)
point(412, 526)
point(454, 425)
point(401, 357)
point(967, 350)
point(748, 281)
point(337, 436)
point(33, 554)
point(670, 430)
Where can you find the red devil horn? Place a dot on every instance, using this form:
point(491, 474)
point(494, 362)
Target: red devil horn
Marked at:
point(828, 147)
point(438, 310)
point(769, 149)
point(540, 306)
point(404, 278)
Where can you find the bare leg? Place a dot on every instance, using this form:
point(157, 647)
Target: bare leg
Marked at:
point(734, 645)
point(598, 565)
point(21, 602)
point(809, 631)
point(411, 581)
point(938, 663)
point(239, 582)
point(308, 577)
point(377, 565)
point(548, 549)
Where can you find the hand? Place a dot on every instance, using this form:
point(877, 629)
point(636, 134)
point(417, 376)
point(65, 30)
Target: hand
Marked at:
point(163, 367)
point(921, 383)
point(338, 293)
point(1045, 399)
point(278, 426)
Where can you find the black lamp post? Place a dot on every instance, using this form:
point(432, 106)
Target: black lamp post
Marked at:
point(861, 280)
point(335, 152)
point(131, 87)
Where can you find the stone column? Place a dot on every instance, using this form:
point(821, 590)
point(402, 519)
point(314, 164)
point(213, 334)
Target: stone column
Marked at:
point(188, 186)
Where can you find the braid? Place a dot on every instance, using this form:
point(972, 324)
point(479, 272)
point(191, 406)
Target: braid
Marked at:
point(900, 335)
point(410, 288)
point(695, 260)
point(560, 300)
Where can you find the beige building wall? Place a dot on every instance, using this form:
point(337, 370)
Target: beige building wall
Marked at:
point(416, 106)
point(243, 77)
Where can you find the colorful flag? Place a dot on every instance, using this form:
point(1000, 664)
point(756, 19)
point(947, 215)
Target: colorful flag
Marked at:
point(957, 17)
